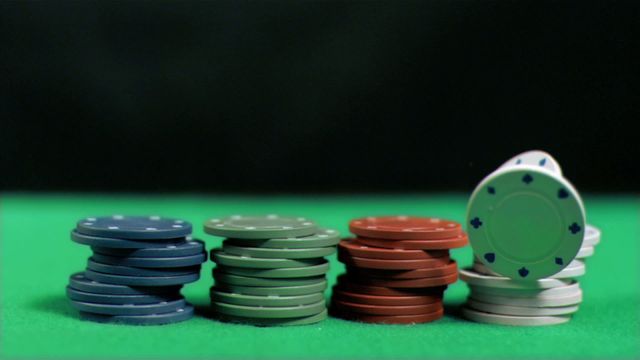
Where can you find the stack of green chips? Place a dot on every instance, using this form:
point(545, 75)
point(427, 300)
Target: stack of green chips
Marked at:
point(270, 270)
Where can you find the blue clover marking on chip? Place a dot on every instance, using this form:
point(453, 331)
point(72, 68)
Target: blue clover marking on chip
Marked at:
point(491, 190)
point(563, 194)
point(559, 261)
point(523, 272)
point(543, 161)
point(490, 257)
point(476, 223)
point(575, 228)
point(527, 179)
point(519, 161)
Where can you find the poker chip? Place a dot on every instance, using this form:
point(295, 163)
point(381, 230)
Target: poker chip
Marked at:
point(437, 244)
point(263, 312)
point(270, 253)
point(218, 295)
point(318, 287)
point(397, 269)
point(179, 315)
point(259, 227)
point(529, 237)
point(270, 270)
point(525, 223)
point(521, 310)
point(134, 227)
point(500, 319)
point(322, 238)
point(138, 267)
point(404, 227)
point(535, 158)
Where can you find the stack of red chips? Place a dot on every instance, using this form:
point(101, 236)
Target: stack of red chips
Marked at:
point(397, 269)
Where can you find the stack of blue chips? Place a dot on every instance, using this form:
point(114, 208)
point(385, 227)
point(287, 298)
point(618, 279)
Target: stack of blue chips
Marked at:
point(138, 267)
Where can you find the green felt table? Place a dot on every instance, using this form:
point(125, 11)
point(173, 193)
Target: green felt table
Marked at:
point(37, 257)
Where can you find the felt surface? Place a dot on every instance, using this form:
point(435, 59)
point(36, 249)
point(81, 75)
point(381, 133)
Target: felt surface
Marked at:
point(37, 257)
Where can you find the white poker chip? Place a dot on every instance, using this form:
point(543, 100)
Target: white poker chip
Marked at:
point(525, 222)
point(585, 252)
point(534, 158)
point(496, 319)
point(521, 310)
point(567, 290)
point(591, 236)
point(548, 301)
point(473, 278)
point(575, 269)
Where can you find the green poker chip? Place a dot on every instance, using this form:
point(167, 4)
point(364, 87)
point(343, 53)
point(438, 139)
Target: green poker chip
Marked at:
point(260, 227)
point(320, 286)
point(222, 274)
point(269, 253)
point(222, 258)
point(525, 223)
point(307, 320)
point(294, 272)
point(322, 238)
point(219, 295)
point(261, 312)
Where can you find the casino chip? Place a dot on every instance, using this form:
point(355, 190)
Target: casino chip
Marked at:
point(530, 240)
point(270, 270)
point(137, 269)
point(259, 227)
point(397, 269)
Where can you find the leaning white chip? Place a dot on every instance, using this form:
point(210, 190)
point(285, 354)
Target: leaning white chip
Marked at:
point(535, 158)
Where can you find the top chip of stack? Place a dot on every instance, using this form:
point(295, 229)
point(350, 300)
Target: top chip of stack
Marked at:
point(138, 266)
point(397, 269)
point(270, 269)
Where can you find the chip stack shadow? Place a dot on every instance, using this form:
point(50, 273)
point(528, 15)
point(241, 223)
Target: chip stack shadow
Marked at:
point(138, 267)
point(398, 268)
point(270, 270)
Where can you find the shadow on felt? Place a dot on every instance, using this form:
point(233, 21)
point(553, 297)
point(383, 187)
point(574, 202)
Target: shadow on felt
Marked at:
point(54, 304)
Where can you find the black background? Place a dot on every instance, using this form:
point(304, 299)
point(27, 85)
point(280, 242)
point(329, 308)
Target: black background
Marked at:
point(314, 96)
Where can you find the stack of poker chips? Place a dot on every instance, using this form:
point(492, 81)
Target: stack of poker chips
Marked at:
point(529, 237)
point(398, 268)
point(137, 269)
point(270, 270)
point(547, 301)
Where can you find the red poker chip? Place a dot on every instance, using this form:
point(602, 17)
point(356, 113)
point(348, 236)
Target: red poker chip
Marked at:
point(406, 283)
point(389, 319)
point(348, 284)
point(353, 248)
point(405, 227)
point(393, 264)
point(445, 270)
point(458, 241)
point(351, 297)
point(344, 306)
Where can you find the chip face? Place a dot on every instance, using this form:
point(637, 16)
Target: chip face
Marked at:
point(134, 227)
point(525, 223)
point(260, 227)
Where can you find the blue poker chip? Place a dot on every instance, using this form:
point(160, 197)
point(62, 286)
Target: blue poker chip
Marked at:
point(134, 227)
point(80, 282)
point(141, 280)
point(129, 309)
point(83, 296)
point(93, 264)
point(146, 262)
point(184, 248)
point(116, 243)
point(179, 315)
